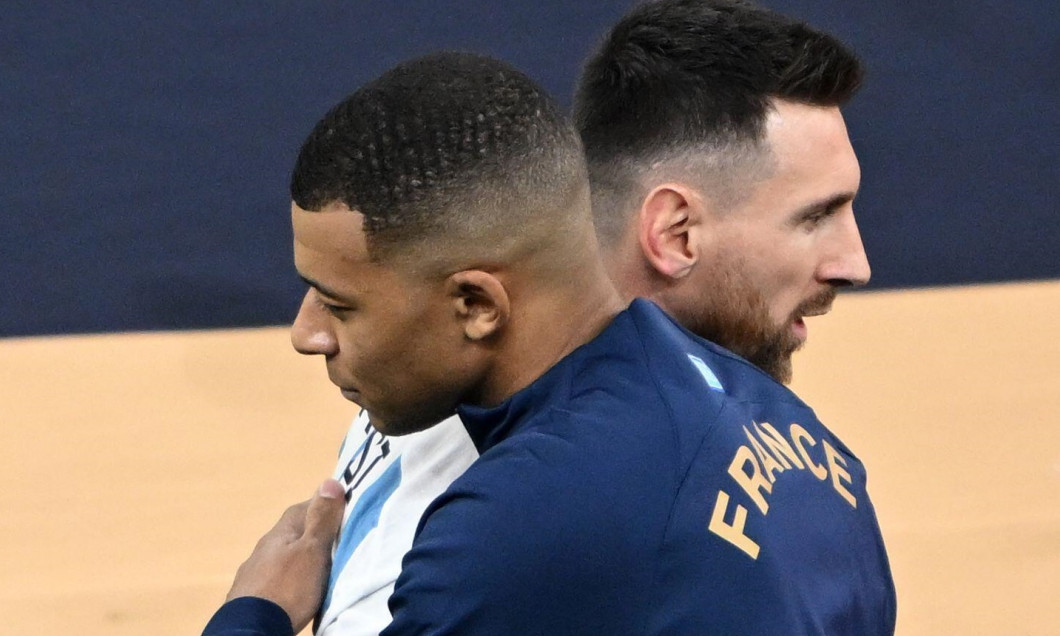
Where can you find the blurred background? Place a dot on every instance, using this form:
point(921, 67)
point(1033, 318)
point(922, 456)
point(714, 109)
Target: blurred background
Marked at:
point(146, 148)
point(145, 151)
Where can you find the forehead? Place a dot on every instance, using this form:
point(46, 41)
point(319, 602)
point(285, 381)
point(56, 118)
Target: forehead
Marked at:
point(812, 152)
point(333, 229)
point(330, 245)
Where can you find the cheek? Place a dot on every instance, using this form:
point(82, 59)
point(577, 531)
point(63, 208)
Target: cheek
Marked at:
point(769, 263)
point(392, 348)
point(783, 285)
point(358, 347)
point(782, 307)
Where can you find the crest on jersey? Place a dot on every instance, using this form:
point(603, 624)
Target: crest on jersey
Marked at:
point(708, 375)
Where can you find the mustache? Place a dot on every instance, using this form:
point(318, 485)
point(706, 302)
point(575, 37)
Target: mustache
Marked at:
point(821, 303)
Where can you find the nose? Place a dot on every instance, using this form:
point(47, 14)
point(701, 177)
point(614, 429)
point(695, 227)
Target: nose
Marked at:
point(311, 331)
point(846, 263)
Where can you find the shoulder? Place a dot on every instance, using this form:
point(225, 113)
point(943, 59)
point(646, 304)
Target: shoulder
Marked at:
point(575, 465)
point(677, 357)
point(527, 530)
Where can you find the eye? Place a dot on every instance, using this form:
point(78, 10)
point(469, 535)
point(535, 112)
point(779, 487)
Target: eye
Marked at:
point(817, 217)
point(813, 219)
point(338, 311)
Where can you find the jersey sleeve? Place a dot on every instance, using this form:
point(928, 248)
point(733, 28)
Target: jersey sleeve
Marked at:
point(249, 616)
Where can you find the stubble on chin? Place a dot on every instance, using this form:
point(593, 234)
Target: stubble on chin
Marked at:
point(732, 314)
point(745, 329)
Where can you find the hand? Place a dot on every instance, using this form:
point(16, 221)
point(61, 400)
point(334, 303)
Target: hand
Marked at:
point(290, 564)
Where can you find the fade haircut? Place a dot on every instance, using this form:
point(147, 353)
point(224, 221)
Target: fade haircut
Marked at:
point(450, 149)
point(686, 85)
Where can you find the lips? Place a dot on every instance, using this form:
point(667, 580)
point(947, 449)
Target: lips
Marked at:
point(811, 314)
point(348, 392)
point(819, 305)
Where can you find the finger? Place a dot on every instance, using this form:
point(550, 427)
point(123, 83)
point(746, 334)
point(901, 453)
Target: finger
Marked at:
point(288, 528)
point(291, 525)
point(324, 516)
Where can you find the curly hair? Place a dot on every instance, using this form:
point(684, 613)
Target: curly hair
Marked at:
point(415, 148)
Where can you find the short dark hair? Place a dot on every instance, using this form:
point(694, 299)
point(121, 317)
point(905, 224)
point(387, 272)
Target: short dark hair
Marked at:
point(680, 74)
point(414, 148)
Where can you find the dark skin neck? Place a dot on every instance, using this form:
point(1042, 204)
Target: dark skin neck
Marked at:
point(556, 316)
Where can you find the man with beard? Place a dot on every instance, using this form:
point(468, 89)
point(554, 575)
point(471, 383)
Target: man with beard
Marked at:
point(722, 181)
point(722, 174)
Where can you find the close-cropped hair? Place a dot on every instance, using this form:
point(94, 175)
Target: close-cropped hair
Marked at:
point(681, 76)
point(447, 147)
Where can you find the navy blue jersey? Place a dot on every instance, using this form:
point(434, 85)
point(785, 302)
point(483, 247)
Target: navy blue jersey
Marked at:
point(649, 483)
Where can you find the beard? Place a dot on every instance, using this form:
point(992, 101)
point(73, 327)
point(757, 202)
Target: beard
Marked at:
point(732, 313)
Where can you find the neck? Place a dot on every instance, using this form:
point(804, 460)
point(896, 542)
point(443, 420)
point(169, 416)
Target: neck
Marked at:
point(633, 276)
point(564, 314)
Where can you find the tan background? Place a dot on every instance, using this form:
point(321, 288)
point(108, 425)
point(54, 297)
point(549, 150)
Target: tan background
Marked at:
point(138, 470)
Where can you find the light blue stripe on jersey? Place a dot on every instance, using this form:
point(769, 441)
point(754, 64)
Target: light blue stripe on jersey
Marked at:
point(712, 380)
point(363, 518)
point(345, 440)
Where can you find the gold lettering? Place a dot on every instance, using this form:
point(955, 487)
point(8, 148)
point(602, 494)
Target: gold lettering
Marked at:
point(837, 466)
point(732, 533)
point(770, 464)
point(777, 443)
point(799, 435)
point(751, 482)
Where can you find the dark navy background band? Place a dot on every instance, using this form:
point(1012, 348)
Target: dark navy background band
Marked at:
point(145, 153)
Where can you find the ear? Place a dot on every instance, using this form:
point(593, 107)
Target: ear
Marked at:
point(669, 219)
point(481, 303)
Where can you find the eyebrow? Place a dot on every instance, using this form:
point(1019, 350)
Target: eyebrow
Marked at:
point(828, 205)
point(321, 288)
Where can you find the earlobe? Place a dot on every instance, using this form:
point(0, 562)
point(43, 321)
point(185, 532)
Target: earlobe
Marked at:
point(481, 303)
point(669, 218)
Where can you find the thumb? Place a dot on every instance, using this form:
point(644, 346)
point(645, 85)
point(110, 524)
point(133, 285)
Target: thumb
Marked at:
point(324, 516)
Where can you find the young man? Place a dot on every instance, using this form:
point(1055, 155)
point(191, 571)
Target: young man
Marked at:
point(722, 180)
point(626, 473)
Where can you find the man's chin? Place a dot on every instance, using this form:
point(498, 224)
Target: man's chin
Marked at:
point(397, 426)
point(783, 372)
point(773, 355)
point(774, 369)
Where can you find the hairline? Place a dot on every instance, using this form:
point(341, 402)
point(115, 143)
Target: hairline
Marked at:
point(721, 170)
point(439, 251)
point(708, 166)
